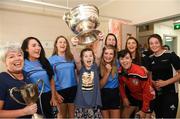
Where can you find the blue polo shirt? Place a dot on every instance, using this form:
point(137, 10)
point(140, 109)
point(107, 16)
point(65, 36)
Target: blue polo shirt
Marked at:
point(34, 72)
point(64, 72)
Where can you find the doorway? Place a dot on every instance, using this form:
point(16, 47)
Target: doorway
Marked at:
point(171, 41)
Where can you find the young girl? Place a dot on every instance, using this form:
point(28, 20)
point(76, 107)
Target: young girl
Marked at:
point(88, 98)
point(109, 84)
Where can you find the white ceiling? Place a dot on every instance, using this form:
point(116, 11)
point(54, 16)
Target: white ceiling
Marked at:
point(65, 3)
point(73, 3)
point(132, 11)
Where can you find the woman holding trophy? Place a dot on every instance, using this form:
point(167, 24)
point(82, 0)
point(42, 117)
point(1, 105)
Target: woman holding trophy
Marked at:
point(12, 57)
point(38, 67)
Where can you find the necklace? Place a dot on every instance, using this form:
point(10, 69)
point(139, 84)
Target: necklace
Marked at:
point(15, 77)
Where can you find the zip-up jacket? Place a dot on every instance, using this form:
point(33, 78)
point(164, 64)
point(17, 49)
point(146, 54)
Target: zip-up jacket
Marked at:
point(138, 83)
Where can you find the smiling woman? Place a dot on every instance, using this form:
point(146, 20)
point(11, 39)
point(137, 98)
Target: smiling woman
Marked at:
point(161, 65)
point(63, 64)
point(12, 57)
point(135, 86)
point(109, 83)
point(36, 67)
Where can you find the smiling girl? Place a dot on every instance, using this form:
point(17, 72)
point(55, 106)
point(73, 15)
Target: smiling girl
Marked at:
point(88, 98)
point(109, 84)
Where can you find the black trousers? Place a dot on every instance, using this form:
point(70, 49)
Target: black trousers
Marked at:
point(166, 105)
point(46, 107)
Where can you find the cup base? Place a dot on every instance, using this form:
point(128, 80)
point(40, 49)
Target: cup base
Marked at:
point(88, 37)
point(37, 116)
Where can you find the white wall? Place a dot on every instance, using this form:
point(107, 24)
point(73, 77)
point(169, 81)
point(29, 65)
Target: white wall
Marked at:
point(135, 11)
point(140, 11)
point(167, 30)
point(15, 26)
point(127, 29)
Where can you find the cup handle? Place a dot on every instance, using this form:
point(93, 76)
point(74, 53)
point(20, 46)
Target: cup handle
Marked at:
point(42, 88)
point(13, 97)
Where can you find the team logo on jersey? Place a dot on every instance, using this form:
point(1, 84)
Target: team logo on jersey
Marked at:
point(152, 92)
point(172, 107)
point(165, 60)
point(135, 81)
point(149, 110)
point(153, 62)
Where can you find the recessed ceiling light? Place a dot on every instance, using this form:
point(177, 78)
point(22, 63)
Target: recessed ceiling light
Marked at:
point(177, 21)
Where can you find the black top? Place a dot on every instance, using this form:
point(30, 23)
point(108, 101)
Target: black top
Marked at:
point(161, 68)
point(6, 83)
point(145, 57)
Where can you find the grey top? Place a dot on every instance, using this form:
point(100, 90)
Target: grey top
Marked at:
point(88, 92)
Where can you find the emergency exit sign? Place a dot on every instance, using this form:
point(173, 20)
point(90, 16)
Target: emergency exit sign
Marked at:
point(177, 26)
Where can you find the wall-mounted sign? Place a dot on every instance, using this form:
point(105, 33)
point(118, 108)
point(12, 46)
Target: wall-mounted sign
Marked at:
point(176, 26)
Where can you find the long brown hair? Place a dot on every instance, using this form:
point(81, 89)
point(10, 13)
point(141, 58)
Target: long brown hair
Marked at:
point(157, 36)
point(43, 60)
point(137, 59)
point(111, 34)
point(68, 54)
point(113, 62)
point(82, 54)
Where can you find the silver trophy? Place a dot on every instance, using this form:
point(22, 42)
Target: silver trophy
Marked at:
point(30, 95)
point(83, 21)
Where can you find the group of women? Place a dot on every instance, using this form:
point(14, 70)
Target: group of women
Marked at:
point(103, 84)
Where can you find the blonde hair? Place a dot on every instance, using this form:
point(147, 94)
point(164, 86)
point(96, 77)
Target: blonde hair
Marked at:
point(113, 63)
point(4, 51)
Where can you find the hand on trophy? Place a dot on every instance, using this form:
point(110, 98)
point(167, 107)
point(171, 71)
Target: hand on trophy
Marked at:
point(30, 109)
point(74, 41)
point(101, 36)
point(30, 95)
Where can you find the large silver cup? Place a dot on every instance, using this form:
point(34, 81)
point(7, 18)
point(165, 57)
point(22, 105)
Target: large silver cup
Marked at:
point(30, 95)
point(83, 21)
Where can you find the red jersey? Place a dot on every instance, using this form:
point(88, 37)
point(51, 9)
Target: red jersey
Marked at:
point(138, 83)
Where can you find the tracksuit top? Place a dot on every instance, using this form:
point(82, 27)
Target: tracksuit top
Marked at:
point(138, 83)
